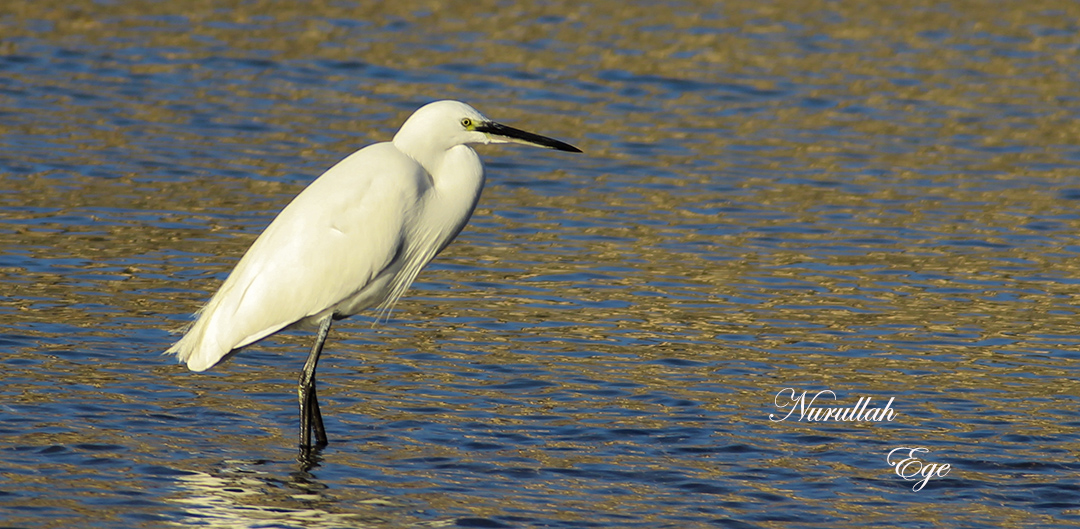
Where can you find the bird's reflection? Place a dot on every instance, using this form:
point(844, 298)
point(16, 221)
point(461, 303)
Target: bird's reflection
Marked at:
point(240, 494)
point(309, 458)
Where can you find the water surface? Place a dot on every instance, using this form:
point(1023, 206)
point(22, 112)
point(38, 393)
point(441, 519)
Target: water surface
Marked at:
point(876, 200)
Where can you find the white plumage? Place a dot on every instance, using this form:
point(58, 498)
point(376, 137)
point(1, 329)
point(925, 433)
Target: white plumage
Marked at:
point(355, 238)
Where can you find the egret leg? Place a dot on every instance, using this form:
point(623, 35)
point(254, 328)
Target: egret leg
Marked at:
point(310, 415)
point(316, 423)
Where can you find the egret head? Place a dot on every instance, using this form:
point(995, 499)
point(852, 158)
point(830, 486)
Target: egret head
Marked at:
point(440, 126)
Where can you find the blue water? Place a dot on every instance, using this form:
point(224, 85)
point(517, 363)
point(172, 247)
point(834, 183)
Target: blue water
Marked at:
point(877, 201)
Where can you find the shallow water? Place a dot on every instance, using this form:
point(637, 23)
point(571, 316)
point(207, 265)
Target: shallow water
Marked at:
point(876, 200)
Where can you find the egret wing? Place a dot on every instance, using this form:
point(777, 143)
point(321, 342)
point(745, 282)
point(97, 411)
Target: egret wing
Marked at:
point(337, 238)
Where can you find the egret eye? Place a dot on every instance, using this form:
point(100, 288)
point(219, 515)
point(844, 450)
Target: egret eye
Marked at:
point(466, 122)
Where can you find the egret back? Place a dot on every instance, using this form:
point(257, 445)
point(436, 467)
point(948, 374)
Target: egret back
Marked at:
point(339, 242)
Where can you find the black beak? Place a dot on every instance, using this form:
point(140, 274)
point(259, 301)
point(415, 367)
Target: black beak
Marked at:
point(511, 134)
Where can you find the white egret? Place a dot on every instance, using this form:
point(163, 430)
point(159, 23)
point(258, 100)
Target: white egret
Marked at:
point(355, 238)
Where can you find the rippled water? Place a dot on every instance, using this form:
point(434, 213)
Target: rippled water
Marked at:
point(879, 200)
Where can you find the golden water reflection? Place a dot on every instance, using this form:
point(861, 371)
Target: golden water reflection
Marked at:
point(872, 198)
